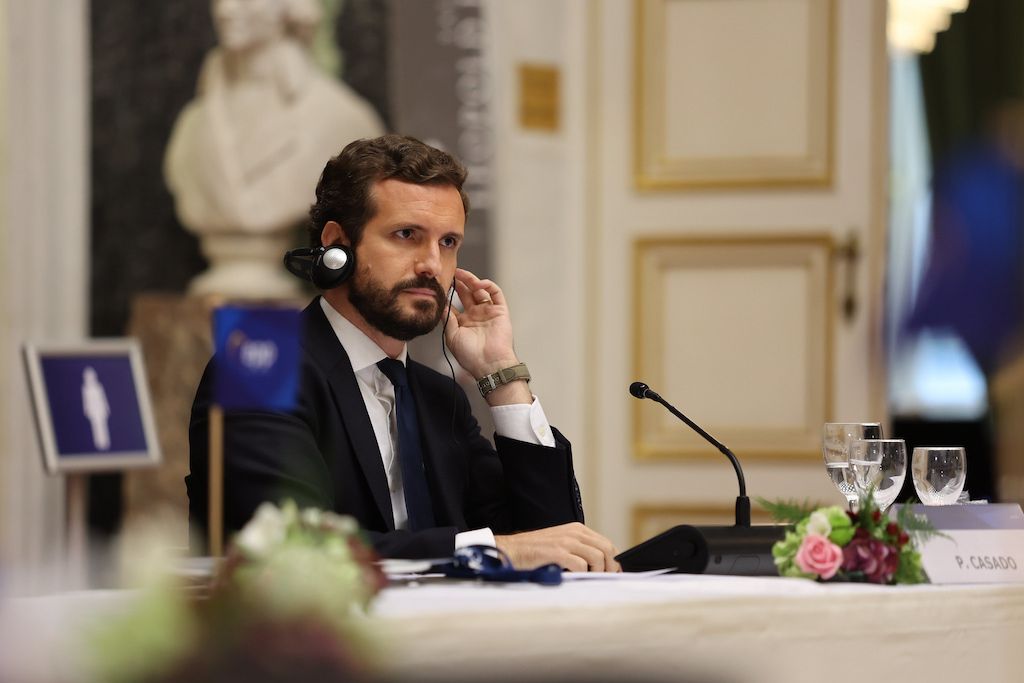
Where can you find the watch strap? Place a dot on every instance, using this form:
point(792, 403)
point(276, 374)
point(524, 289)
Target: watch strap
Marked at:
point(501, 377)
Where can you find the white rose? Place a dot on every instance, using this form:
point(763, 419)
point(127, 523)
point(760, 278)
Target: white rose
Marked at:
point(264, 531)
point(312, 517)
point(819, 524)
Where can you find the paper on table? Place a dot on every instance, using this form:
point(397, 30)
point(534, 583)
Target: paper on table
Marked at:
point(399, 566)
point(615, 576)
point(413, 577)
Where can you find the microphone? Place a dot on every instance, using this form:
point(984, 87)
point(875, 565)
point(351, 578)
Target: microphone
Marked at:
point(642, 391)
point(741, 549)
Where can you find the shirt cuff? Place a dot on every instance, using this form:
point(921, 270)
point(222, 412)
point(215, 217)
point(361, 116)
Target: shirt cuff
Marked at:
point(475, 537)
point(523, 423)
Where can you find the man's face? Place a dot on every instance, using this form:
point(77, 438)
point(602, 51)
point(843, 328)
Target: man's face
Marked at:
point(406, 258)
point(242, 24)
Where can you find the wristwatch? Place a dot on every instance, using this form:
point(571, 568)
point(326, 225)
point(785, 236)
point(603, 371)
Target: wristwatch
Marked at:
point(504, 376)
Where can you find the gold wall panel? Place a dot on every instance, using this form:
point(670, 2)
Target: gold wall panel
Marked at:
point(733, 93)
point(737, 333)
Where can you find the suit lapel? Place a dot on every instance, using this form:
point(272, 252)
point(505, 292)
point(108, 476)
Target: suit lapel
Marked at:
point(436, 428)
point(322, 344)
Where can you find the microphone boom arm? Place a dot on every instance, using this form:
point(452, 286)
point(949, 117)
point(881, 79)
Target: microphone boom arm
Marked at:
point(641, 390)
point(710, 439)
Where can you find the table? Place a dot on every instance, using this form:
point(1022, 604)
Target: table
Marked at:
point(667, 628)
point(703, 628)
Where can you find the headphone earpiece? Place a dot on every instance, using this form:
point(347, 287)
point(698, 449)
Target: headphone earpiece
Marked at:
point(332, 266)
point(325, 267)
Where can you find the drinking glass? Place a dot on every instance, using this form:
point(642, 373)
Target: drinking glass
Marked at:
point(879, 463)
point(836, 451)
point(939, 473)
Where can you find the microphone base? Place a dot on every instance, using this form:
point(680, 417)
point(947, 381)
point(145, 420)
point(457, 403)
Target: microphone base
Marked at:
point(725, 550)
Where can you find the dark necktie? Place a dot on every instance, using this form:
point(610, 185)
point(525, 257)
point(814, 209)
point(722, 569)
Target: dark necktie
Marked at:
point(410, 450)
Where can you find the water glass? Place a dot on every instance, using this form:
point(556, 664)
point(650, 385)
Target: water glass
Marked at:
point(939, 473)
point(880, 464)
point(836, 451)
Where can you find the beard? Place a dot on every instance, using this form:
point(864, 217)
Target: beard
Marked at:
point(380, 307)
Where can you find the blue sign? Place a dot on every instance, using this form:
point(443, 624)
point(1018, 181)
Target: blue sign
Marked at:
point(257, 357)
point(93, 405)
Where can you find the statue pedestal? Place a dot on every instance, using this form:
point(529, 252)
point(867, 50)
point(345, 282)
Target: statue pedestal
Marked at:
point(245, 265)
point(176, 336)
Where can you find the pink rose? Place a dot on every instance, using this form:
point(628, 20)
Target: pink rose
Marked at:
point(818, 555)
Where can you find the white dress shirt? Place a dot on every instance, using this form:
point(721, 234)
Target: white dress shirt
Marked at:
point(517, 421)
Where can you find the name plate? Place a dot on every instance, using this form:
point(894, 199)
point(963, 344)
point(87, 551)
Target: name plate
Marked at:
point(985, 544)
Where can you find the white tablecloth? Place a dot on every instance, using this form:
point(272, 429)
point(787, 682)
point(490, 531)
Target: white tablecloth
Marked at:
point(706, 628)
point(668, 628)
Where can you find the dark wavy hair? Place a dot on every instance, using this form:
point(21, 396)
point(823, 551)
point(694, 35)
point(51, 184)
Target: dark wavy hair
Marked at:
point(344, 193)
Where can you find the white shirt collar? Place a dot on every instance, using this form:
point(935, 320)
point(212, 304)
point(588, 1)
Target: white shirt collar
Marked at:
point(362, 351)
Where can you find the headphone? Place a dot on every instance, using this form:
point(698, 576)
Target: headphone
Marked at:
point(489, 563)
point(325, 267)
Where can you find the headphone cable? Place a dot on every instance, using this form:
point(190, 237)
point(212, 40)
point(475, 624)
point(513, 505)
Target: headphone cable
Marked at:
point(444, 352)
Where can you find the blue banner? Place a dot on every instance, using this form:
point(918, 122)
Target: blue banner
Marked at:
point(257, 357)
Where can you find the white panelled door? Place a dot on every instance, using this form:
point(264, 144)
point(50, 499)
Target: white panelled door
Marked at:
point(736, 149)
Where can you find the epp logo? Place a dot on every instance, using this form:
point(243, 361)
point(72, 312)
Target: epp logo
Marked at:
point(259, 357)
point(255, 355)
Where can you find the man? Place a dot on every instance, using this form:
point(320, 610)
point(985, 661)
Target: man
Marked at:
point(398, 204)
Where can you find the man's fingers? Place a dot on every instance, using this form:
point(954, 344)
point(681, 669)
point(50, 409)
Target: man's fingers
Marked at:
point(573, 563)
point(601, 556)
point(591, 537)
point(462, 289)
point(472, 289)
point(573, 546)
point(492, 290)
point(606, 553)
point(593, 556)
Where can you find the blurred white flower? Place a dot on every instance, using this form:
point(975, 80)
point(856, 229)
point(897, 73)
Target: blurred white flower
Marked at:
point(312, 517)
point(265, 531)
point(819, 524)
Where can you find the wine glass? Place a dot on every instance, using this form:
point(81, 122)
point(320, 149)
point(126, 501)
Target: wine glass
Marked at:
point(879, 463)
point(939, 473)
point(836, 451)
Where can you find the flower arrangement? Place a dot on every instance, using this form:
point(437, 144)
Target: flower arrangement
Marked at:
point(308, 559)
point(832, 544)
point(285, 603)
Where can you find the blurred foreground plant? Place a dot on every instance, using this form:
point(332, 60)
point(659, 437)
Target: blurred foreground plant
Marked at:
point(286, 603)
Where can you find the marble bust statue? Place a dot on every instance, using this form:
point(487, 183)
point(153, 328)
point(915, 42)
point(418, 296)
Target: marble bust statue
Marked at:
point(245, 154)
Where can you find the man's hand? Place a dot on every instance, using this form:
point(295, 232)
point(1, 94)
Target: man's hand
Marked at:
point(573, 546)
point(481, 336)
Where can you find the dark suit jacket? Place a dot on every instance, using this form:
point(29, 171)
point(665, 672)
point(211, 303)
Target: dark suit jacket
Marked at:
point(324, 454)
